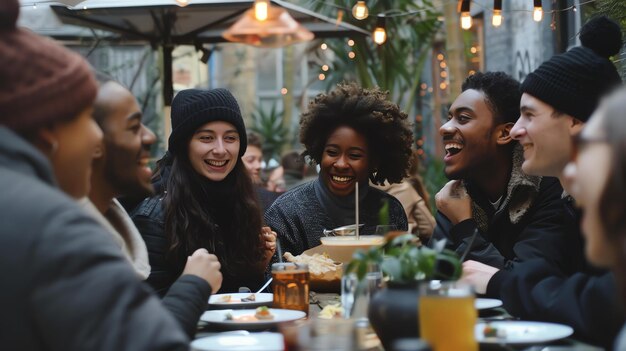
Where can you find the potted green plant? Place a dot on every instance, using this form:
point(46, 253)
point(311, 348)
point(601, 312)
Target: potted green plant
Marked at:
point(393, 312)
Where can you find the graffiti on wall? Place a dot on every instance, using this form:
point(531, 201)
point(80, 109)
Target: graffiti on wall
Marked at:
point(522, 65)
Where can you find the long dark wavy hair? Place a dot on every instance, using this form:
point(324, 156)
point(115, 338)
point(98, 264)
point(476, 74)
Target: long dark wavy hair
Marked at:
point(612, 206)
point(223, 217)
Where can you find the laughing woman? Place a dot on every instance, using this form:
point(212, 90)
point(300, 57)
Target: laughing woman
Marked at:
point(597, 180)
point(205, 198)
point(355, 135)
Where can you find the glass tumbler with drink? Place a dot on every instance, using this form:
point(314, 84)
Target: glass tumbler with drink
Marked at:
point(291, 286)
point(447, 316)
point(356, 294)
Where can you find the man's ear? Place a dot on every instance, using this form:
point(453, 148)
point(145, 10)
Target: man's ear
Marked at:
point(503, 133)
point(576, 126)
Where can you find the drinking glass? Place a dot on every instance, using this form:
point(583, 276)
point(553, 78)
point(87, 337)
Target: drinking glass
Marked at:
point(356, 295)
point(447, 316)
point(291, 286)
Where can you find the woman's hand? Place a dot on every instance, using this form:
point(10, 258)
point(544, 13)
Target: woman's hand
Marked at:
point(269, 245)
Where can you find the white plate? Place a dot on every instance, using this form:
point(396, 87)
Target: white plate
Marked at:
point(230, 341)
point(485, 304)
point(261, 299)
point(519, 332)
point(218, 318)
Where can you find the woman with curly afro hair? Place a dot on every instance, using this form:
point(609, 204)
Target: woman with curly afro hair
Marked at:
point(354, 135)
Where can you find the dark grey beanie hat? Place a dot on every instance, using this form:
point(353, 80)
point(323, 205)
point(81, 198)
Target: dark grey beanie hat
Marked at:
point(192, 108)
point(574, 82)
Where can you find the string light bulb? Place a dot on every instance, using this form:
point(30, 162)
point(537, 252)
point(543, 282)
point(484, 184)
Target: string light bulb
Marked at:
point(360, 10)
point(538, 11)
point(380, 33)
point(466, 17)
point(496, 19)
point(182, 3)
point(261, 9)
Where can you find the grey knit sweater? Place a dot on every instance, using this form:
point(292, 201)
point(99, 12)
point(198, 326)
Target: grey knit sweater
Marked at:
point(299, 218)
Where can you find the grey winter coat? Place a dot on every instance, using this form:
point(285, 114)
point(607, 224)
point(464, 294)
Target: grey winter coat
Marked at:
point(65, 284)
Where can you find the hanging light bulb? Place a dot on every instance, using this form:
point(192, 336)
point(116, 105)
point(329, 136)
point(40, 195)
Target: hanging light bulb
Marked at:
point(360, 10)
point(182, 3)
point(466, 17)
point(380, 33)
point(279, 29)
point(538, 11)
point(261, 9)
point(496, 20)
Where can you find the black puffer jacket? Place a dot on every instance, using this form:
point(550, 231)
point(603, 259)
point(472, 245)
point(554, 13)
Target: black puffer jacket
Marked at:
point(149, 217)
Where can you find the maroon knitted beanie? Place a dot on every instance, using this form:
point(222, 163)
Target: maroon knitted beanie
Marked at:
point(41, 82)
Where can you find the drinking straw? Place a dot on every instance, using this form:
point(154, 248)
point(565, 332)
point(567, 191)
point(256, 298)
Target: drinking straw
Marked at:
point(356, 201)
point(469, 244)
point(279, 250)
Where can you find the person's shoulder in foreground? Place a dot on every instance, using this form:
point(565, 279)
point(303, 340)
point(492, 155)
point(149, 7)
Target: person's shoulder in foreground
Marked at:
point(67, 285)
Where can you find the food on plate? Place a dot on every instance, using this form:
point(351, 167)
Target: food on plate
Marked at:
point(230, 298)
point(225, 298)
point(250, 298)
point(263, 313)
point(331, 311)
point(492, 332)
point(321, 267)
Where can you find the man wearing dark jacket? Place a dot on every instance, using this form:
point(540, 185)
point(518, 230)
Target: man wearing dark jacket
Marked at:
point(490, 209)
point(558, 98)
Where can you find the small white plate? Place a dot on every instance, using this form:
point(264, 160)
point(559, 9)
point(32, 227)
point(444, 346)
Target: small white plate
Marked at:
point(218, 301)
point(485, 304)
point(230, 341)
point(520, 332)
point(218, 318)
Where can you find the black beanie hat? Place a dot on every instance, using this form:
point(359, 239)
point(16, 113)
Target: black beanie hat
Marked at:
point(192, 108)
point(574, 82)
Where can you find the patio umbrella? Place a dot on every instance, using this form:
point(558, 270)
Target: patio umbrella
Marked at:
point(39, 17)
point(163, 23)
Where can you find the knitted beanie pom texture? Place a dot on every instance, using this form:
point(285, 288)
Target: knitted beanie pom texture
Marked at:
point(574, 82)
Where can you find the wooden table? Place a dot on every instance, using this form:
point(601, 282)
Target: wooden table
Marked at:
point(370, 342)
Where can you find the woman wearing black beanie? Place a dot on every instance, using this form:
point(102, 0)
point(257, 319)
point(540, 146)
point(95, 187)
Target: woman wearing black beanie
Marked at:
point(205, 198)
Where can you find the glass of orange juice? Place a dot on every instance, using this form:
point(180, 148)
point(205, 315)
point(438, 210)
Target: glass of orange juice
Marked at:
point(447, 316)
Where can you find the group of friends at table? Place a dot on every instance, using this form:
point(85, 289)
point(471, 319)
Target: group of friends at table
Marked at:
point(79, 272)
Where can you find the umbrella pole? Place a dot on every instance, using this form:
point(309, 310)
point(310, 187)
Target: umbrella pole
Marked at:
point(168, 85)
point(168, 91)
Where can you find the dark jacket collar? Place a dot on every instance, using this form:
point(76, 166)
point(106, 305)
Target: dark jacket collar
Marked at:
point(520, 194)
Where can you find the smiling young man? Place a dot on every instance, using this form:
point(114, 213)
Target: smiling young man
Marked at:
point(490, 207)
point(558, 98)
point(122, 170)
